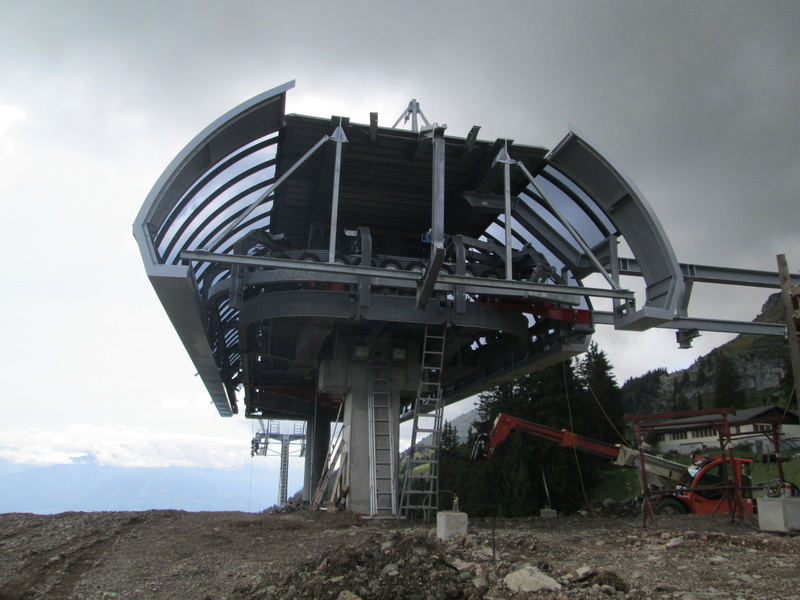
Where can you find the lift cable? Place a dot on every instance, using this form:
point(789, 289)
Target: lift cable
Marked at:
point(605, 414)
point(788, 403)
point(572, 428)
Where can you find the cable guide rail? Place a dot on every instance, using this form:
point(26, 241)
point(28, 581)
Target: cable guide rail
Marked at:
point(293, 270)
point(350, 273)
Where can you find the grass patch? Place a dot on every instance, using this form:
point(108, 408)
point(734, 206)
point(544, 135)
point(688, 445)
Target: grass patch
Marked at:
point(617, 483)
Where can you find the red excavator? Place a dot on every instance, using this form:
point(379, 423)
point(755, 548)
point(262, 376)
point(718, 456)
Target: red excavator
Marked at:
point(709, 486)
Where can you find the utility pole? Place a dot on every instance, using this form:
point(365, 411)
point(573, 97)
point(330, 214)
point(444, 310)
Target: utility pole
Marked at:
point(790, 295)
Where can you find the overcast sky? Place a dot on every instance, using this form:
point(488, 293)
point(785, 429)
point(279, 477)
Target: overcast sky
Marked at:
point(697, 101)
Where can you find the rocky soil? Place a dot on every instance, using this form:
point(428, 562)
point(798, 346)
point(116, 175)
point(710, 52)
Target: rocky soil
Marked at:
point(214, 556)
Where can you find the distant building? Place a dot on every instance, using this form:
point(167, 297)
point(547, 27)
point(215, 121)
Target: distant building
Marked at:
point(748, 426)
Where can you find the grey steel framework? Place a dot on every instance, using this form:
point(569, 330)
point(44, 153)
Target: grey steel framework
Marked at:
point(292, 440)
point(295, 254)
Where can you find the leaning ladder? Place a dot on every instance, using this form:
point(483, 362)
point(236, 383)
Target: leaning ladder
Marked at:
point(421, 483)
point(383, 493)
point(336, 455)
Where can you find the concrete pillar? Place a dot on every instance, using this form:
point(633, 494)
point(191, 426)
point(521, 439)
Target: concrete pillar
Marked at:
point(348, 373)
point(356, 439)
point(357, 444)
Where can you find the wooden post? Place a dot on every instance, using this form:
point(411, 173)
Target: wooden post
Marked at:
point(791, 326)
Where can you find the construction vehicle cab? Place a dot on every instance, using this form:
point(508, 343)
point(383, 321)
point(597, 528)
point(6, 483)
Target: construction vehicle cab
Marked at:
point(702, 490)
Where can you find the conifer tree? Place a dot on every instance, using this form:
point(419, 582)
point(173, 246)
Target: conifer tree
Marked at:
point(449, 441)
point(727, 383)
point(786, 387)
point(604, 405)
point(451, 459)
point(681, 402)
point(513, 482)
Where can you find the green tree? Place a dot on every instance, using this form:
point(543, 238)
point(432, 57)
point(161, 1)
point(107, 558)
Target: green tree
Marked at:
point(449, 441)
point(557, 397)
point(449, 471)
point(681, 402)
point(641, 394)
point(786, 387)
point(727, 383)
point(685, 380)
point(604, 405)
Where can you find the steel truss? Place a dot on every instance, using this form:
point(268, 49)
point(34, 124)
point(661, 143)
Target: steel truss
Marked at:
point(277, 243)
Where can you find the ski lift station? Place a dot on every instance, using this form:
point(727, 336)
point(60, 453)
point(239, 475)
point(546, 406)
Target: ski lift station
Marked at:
point(321, 270)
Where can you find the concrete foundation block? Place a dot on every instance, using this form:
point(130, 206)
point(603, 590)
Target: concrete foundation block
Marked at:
point(548, 513)
point(779, 514)
point(450, 523)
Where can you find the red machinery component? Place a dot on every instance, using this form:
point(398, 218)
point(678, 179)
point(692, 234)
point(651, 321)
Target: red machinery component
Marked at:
point(548, 310)
point(710, 488)
point(505, 424)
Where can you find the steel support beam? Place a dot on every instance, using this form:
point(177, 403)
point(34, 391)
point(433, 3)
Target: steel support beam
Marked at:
point(506, 161)
point(461, 271)
point(568, 226)
point(716, 275)
point(350, 274)
point(428, 282)
point(437, 200)
point(364, 282)
point(533, 224)
point(339, 138)
point(226, 232)
point(715, 325)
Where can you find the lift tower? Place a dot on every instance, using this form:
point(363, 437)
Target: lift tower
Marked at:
point(302, 260)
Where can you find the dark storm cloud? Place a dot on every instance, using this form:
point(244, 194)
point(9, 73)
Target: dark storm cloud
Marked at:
point(696, 101)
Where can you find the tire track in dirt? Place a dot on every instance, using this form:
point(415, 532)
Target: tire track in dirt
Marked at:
point(55, 553)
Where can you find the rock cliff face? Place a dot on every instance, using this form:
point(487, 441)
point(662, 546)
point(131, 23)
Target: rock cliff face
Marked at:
point(761, 362)
point(759, 373)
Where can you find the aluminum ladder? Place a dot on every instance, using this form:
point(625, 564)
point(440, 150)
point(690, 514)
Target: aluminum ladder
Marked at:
point(283, 487)
point(382, 460)
point(421, 484)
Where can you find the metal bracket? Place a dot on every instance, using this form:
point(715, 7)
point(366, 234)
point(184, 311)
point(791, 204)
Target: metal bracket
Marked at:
point(461, 270)
point(365, 282)
point(428, 281)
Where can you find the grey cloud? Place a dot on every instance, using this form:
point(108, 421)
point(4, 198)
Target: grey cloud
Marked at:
point(697, 101)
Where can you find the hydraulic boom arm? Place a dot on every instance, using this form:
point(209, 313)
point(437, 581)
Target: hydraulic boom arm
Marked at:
point(505, 424)
point(659, 470)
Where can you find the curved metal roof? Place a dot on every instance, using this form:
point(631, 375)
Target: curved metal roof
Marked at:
point(237, 233)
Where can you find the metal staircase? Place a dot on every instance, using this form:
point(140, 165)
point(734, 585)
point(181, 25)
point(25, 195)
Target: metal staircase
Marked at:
point(421, 484)
point(382, 460)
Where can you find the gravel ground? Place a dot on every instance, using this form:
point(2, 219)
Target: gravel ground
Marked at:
point(214, 556)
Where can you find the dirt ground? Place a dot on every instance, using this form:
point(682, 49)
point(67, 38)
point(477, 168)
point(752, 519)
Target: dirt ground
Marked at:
point(214, 556)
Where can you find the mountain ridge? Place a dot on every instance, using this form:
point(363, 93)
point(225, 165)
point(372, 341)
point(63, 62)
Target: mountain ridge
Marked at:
point(88, 487)
point(760, 361)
